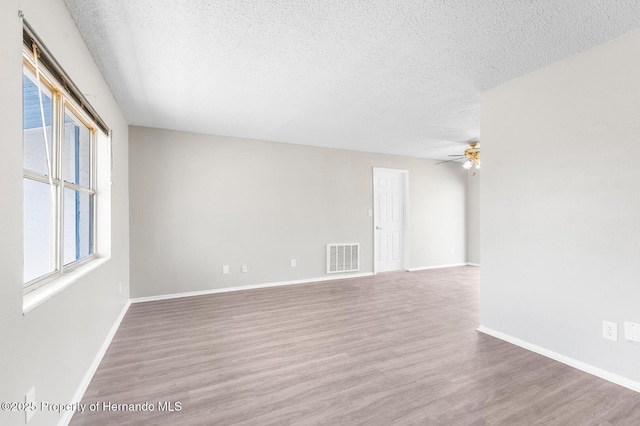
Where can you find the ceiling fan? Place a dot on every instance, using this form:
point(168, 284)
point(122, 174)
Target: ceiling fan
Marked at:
point(472, 155)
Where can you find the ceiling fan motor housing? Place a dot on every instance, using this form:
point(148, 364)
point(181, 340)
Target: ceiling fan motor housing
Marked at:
point(473, 153)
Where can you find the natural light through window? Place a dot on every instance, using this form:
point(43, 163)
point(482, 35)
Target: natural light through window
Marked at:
point(59, 178)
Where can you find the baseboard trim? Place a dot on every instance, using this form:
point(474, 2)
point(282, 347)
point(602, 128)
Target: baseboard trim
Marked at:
point(587, 368)
point(473, 264)
point(424, 268)
point(84, 384)
point(247, 287)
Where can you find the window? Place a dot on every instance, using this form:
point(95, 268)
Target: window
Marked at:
point(59, 176)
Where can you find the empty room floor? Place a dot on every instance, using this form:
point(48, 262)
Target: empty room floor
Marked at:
point(394, 349)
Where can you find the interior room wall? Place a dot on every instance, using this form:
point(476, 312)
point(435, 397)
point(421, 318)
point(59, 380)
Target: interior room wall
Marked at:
point(560, 206)
point(473, 217)
point(199, 202)
point(52, 346)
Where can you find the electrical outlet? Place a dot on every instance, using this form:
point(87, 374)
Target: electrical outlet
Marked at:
point(632, 331)
point(244, 268)
point(30, 400)
point(120, 287)
point(294, 263)
point(610, 330)
point(225, 269)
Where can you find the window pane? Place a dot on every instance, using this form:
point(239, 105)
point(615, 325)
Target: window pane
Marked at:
point(77, 139)
point(78, 225)
point(38, 233)
point(34, 153)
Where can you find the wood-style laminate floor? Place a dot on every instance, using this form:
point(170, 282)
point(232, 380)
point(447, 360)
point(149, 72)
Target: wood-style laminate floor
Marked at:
point(394, 349)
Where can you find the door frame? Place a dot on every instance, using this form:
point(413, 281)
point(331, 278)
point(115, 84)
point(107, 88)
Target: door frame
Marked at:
point(405, 216)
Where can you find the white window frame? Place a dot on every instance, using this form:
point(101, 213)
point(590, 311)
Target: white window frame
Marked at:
point(61, 103)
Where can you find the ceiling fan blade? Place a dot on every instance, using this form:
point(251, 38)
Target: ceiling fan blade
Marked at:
point(448, 161)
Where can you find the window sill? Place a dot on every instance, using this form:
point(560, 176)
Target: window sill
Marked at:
point(37, 297)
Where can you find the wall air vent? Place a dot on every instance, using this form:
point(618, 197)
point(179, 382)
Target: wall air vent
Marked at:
point(343, 258)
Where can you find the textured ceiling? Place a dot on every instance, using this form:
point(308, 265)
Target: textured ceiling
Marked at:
point(399, 77)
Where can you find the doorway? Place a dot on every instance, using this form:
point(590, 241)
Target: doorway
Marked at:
point(390, 219)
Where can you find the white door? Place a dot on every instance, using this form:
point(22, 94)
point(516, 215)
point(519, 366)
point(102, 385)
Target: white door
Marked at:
point(389, 199)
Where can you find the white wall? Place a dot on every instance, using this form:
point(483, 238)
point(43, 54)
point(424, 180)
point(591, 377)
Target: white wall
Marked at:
point(199, 202)
point(561, 205)
point(52, 346)
point(473, 217)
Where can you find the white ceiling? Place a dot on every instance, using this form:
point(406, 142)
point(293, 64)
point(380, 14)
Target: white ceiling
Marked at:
point(389, 76)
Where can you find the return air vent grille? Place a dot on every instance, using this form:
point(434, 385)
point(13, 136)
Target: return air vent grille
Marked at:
point(343, 258)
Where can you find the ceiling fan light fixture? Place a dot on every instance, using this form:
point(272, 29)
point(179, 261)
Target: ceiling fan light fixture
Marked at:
point(472, 155)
